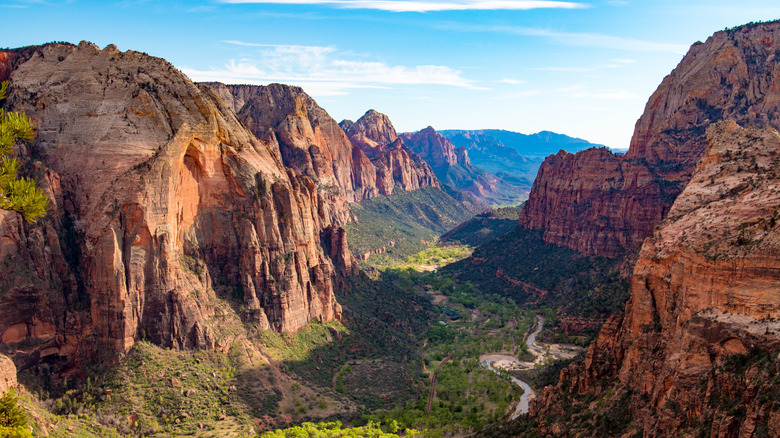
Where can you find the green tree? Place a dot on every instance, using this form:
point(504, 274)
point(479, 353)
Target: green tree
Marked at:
point(13, 419)
point(18, 194)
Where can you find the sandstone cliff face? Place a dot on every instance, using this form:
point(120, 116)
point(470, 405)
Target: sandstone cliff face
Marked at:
point(705, 288)
point(435, 149)
point(7, 374)
point(595, 202)
point(452, 166)
point(735, 75)
point(310, 141)
point(164, 206)
point(396, 165)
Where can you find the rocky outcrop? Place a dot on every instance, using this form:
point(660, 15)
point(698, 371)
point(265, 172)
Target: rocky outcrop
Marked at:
point(734, 75)
point(371, 133)
point(453, 167)
point(396, 165)
point(168, 214)
point(700, 334)
point(7, 374)
point(309, 140)
point(595, 202)
point(435, 149)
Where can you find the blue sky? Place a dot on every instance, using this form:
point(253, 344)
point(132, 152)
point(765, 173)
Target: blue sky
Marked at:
point(582, 68)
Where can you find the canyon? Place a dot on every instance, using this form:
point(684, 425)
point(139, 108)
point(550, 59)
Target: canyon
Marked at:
point(452, 166)
point(600, 203)
point(695, 350)
point(195, 217)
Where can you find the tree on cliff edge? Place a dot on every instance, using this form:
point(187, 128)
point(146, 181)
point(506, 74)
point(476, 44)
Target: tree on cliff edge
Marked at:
point(18, 194)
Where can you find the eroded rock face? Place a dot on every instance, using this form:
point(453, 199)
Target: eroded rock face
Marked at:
point(165, 210)
point(396, 165)
point(735, 75)
point(310, 141)
point(705, 288)
point(7, 374)
point(435, 149)
point(595, 202)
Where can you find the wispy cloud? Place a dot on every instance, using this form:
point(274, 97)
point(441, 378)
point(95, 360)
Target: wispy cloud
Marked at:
point(575, 39)
point(324, 71)
point(426, 6)
point(512, 81)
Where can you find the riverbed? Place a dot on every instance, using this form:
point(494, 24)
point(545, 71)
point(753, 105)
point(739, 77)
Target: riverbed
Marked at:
point(488, 360)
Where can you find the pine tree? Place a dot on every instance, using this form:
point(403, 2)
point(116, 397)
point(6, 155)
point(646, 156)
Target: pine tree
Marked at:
point(18, 194)
point(13, 419)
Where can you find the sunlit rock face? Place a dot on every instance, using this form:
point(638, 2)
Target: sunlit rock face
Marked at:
point(169, 217)
point(604, 204)
point(696, 350)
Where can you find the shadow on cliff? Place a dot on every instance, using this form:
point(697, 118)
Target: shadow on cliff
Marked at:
point(336, 370)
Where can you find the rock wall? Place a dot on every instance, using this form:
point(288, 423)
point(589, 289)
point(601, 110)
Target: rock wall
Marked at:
point(396, 165)
point(310, 141)
point(435, 149)
point(703, 290)
point(165, 210)
point(735, 75)
point(7, 374)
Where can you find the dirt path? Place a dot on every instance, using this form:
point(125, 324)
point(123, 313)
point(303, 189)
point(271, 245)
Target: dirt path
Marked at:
point(432, 391)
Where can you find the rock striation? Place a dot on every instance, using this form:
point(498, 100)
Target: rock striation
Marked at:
point(700, 334)
point(396, 165)
point(605, 204)
point(310, 141)
point(168, 215)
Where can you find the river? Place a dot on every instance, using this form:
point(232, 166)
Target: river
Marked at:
point(528, 393)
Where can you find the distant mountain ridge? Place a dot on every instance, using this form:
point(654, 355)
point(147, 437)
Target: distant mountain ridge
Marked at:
point(541, 144)
point(513, 157)
point(453, 166)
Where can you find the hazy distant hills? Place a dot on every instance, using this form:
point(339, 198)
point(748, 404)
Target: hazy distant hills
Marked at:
point(541, 144)
point(511, 155)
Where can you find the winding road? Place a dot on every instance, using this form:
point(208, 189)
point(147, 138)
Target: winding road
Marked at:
point(528, 393)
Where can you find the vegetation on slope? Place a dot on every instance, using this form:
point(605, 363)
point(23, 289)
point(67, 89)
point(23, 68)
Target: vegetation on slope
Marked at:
point(334, 430)
point(584, 291)
point(13, 419)
point(406, 222)
point(485, 227)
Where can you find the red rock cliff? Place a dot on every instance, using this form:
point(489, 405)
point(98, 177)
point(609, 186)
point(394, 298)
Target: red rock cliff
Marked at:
point(165, 208)
point(705, 288)
point(602, 204)
point(435, 149)
point(396, 165)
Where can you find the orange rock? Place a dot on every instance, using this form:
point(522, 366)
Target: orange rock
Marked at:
point(160, 198)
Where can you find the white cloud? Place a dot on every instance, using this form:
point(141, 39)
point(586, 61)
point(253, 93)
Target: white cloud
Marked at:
point(427, 6)
point(323, 71)
point(573, 38)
